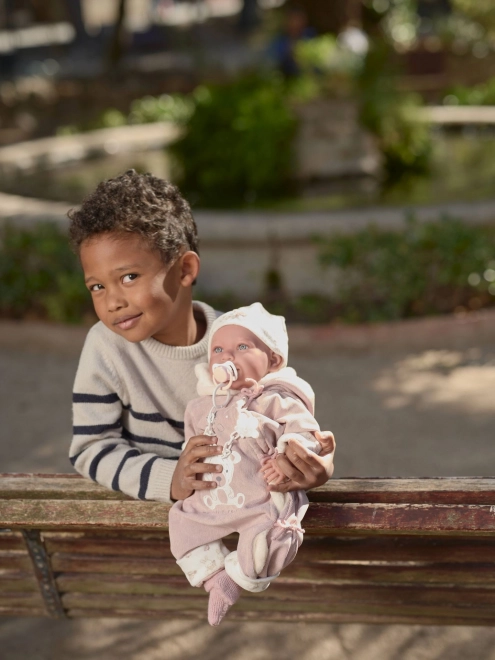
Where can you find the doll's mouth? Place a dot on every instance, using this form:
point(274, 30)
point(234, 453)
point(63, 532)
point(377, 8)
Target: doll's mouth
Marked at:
point(127, 322)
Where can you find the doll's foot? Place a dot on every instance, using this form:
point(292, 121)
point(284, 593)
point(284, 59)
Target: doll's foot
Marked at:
point(224, 592)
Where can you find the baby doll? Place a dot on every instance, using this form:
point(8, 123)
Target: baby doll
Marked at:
point(253, 403)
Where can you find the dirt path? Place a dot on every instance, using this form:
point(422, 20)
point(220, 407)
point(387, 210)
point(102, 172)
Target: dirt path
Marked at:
point(395, 411)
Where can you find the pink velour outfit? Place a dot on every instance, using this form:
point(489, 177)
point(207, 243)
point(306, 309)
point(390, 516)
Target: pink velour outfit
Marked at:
point(251, 425)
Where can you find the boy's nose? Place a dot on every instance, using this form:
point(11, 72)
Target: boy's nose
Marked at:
point(115, 302)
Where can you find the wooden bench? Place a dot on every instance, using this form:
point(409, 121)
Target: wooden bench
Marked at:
point(375, 550)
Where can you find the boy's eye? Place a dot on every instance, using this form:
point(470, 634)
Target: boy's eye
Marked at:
point(217, 349)
point(96, 287)
point(243, 347)
point(129, 277)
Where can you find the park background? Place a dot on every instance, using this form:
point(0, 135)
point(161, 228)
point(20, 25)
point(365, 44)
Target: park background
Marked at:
point(338, 156)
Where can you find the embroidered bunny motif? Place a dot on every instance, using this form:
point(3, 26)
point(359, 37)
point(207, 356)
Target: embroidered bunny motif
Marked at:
point(224, 493)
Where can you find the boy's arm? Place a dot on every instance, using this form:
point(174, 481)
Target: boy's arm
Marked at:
point(98, 449)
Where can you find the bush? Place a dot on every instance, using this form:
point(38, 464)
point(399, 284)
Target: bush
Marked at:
point(238, 143)
point(40, 276)
point(387, 113)
point(482, 94)
point(428, 268)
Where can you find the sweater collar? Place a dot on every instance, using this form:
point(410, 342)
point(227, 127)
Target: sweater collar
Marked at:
point(185, 352)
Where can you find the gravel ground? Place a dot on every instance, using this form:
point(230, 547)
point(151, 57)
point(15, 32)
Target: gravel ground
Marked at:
point(402, 412)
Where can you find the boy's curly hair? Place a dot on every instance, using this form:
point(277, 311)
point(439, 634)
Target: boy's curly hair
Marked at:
point(139, 203)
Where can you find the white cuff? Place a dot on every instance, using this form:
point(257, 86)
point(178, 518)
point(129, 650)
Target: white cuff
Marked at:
point(234, 570)
point(303, 438)
point(203, 562)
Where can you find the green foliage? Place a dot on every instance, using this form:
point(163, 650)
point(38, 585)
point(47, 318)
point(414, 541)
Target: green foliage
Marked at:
point(427, 268)
point(386, 112)
point(176, 108)
point(482, 94)
point(40, 276)
point(237, 147)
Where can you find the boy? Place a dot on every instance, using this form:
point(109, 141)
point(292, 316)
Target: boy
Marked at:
point(137, 242)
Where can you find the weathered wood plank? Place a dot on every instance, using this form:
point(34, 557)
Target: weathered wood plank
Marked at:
point(23, 611)
point(15, 560)
point(417, 605)
point(295, 617)
point(446, 490)
point(337, 548)
point(119, 547)
point(20, 599)
point(301, 591)
point(333, 575)
point(11, 540)
point(482, 575)
point(115, 565)
point(17, 582)
point(476, 519)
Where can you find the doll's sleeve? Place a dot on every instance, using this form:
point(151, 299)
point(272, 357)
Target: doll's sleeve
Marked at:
point(296, 423)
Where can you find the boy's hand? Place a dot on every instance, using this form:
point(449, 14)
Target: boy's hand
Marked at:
point(304, 469)
point(185, 480)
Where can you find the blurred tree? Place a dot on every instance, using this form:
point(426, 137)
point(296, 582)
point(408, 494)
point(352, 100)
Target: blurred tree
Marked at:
point(331, 16)
point(249, 16)
point(117, 43)
point(481, 11)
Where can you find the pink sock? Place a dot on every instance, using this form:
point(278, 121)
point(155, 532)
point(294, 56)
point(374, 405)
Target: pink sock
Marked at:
point(224, 592)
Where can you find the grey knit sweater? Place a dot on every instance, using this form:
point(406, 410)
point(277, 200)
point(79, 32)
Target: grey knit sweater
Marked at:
point(128, 408)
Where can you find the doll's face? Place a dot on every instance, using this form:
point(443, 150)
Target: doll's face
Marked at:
point(251, 357)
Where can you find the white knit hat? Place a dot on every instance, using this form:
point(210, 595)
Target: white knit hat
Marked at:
point(267, 327)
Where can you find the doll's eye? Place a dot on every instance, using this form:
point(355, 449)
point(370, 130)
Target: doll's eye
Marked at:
point(129, 277)
point(243, 347)
point(217, 349)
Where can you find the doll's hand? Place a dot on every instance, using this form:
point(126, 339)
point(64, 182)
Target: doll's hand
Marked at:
point(272, 474)
point(303, 469)
point(190, 466)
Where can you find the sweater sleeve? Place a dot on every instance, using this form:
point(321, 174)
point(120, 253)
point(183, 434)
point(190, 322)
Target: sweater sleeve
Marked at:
point(98, 449)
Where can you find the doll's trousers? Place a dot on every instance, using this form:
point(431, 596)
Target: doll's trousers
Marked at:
point(263, 549)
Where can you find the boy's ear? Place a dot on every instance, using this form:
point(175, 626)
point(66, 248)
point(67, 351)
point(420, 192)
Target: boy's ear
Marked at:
point(189, 268)
point(275, 362)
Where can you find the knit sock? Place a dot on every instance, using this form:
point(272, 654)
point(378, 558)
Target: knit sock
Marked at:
point(224, 592)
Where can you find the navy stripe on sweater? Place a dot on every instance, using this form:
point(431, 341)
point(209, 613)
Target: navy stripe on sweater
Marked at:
point(129, 454)
point(127, 435)
point(78, 397)
point(145, 477)
point(96, 429)
point(154, 417)
point(96, 460)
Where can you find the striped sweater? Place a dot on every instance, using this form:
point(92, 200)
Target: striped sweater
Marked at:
point(128, 409)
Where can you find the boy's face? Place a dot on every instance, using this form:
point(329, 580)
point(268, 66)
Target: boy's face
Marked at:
point(251, 357)
point(134, 293)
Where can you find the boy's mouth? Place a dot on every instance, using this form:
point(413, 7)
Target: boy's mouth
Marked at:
point(127, 322)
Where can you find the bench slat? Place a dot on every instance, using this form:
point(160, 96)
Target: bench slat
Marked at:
point(17, 582)
point(334, 574)
point(11, 541)
point(476, 519)
point(434, 490)
point(344, 548)
point(296, 617)
point(15, 560)
point(20, 599)
point(418, 603)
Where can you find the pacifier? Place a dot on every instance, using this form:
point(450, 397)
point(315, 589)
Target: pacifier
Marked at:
point(223, 373)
